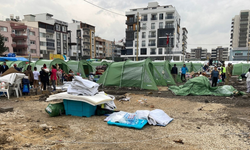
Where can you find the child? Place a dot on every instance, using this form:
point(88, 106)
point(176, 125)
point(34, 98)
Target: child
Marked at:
point(36, 77)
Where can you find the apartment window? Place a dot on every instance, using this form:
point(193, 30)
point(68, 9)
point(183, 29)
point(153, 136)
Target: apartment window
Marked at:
point(135, 43)
point(160, 51)
point(42, 43)
point(238, 54)
point(160, 16)
point(64, 36)
point(152, 51)
point(32, 42)
point(6, 39)
point(144, 26)
point(160, 25)
point(32, 33)
point(42, 51)
point(151, 43)
point(154, 17)
point(143, 43)
point(49, 36)
point(63, 29)
point(5, 29)
point(43, 35)
point(143, 51)
point(58, 27)
point(135, 34)
point(58, 35)
point(33, 51)
point(144, 18)
point(152, 25)
point(143, 34)
point(152, 34)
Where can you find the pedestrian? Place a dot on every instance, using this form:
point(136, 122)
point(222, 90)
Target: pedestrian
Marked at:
point(184, 70)
point(30, 74)
point(59, 76)
point(3, 68)
point(15, 66)
point(228, 73)
point(36, 77)
point(248, 80)
point(53, 76)
point(205, 68)
point(223, 72)
point(174, 72)
point(215, 76)
point(44, 75)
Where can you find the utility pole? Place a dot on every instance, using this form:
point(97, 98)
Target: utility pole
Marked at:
point(137, 36)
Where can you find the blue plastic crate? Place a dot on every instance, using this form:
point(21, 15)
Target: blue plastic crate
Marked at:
point(80, 109)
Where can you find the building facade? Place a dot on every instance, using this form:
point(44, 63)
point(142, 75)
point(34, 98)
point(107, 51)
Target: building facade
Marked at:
point(20, 38)
point(109, 48)
point(184, 37)
point(100, 48)
point(198, 54)
point(220, 53)
point(240, 36)
point(82, 38)
point(157, 25)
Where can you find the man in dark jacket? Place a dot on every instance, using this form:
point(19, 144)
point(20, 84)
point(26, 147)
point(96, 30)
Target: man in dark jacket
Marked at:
point(44, 76)
point(174, 72)
point(4, 68)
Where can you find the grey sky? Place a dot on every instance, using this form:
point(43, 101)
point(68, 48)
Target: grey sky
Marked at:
point(207, 21)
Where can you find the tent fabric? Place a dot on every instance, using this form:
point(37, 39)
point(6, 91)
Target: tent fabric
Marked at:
point(13, 59)
point(49, 63)
point(94, 64)
point(201, 86)
point(131, 74)
point(32, 66)
point(197, 67)
point(240, 68)
point(83, 67)
point(20, 64)
point(163, 68)
point(10, 70)
point(11, 78)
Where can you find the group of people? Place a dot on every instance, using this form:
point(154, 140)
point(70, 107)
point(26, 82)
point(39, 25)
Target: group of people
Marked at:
point(174, 72)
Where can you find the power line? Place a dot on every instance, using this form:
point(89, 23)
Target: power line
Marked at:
point(104, 8)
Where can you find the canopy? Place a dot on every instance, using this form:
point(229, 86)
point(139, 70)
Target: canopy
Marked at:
point(39, 64)
point(131, 74)
point(201, 86)
point(13, 59)
point(82, 67)
point(240, 68)
point(163, 68)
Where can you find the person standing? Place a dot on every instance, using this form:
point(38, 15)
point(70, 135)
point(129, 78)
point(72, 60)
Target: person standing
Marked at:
point(30, 74)
point(3, 68)
point(44, 75)
point(248, 80)
point(215, 76)
point(53, 77)
point(223, 72)
point(228, 73)
point(174, 72)
point(15, 66)
point(184, 70)
point(36, 77)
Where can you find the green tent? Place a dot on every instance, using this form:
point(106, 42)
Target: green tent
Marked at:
point(83, 67)
point(197, 67)
point(240, 68)
point(94, 64)
point(163, 68)
point(63, 65)
point(9, 63)
point(179, 65)
point(201, 86)
point(131, 74)
point(32, 66)
point(20, 64)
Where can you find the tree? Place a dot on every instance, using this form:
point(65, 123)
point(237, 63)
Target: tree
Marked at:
point(2, 47)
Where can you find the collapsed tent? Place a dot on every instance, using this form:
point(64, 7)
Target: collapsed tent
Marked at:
point(9, 71)
point(131, 74)
point(62, 64)
point(240, 68)
point(83, 67)
point(163, 68)
point(201, 86)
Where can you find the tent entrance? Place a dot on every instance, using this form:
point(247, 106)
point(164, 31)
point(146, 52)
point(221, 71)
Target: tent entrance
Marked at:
point(86, 70)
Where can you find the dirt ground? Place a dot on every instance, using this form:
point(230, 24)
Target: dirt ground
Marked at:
point(200, 122)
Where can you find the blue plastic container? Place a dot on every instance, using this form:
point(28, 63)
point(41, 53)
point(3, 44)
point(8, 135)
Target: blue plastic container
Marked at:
point(80, 109)
point(141, 123)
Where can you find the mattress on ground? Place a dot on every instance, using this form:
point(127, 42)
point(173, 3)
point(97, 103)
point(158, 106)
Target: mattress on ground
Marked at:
point(97, 99)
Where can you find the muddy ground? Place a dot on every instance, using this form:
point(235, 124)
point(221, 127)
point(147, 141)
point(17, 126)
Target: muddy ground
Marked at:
point(200, 122)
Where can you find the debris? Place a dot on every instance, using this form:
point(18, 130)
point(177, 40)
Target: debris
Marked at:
point(244, 96)
point(6, 109)
point(159, 92)
point(149, 93)
point(152, 106)
point(10, 139)
point(27, 144)
point(2, 123)
point(16, 101)
point(44, 126)
point(3, 138)
point(179, 141)
point(198, 127)
point(200, 109)
point(230, 97)
point(206, 101)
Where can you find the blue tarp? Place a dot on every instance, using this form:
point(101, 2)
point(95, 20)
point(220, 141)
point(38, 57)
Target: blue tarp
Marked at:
point(13, 59)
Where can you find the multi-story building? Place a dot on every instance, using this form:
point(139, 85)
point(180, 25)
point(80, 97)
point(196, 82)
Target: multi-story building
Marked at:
point(20, 38)
point(240, 36)
point(157, 25)
point(118, 48)
point(109, 48)
point(83, 35)
point(220, 53)
point(187, 56)
point(52, 33)
point(184, 33)
point(100, 47)
point(198, 54)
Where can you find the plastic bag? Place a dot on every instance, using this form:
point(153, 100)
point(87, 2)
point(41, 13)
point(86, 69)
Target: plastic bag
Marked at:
point(55, 109)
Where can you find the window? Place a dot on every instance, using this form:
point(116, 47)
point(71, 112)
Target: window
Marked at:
point(5, 29)
point(42, 43)
point(160, 51)
point(42, 51)
point(58, 35)
point(152, 51)
point(144, 26)
point(32, 33)
point(63, 29)
point(58, 27)
point(151, 43)
point(135, 43)
point(152, 25)
point(64, 36)
point(33, 51)
point(143, 43)
point(135, 34)
point(238, 54)
point(32, 42)
point(160, 16)
point(43, 35)
point(154, 17)
point(6, 39)
point(161, 25)
point(143, 51)
point(143, 34)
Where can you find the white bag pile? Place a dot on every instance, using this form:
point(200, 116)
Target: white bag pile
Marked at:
point(80, 86)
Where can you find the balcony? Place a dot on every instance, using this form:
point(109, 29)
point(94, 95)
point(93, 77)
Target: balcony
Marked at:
point(21, 45)
point(86, 35)
point(169, 26)
point(151, 44)
point(85, 28)
point(13, 44)
point(86, 49)
point(19, 36)
point(86, 42)
point(50, 31)
point(151, 36)
point(154, 18)
point(131, 21)
point(50, 47)
point(18, 27)
point(169, 17)
point(129, 29)
point(50, 40)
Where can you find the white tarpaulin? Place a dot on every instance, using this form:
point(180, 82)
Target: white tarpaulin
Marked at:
point(97, 99)
point(11, 78)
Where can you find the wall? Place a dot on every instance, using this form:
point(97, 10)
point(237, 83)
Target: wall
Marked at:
point(8, 35)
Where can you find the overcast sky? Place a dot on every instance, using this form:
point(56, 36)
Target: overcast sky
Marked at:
point(207, 21)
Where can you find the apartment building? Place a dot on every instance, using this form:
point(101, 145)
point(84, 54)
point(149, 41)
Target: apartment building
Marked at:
point(240, 36)
point(198, 54)
point(100, 47)
point(53, 35)
point(157, 25)
point(118, 48)
point(220, 53)
point(20, 38)
point(184, 37)
point(187, 56)
point(82, 38)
